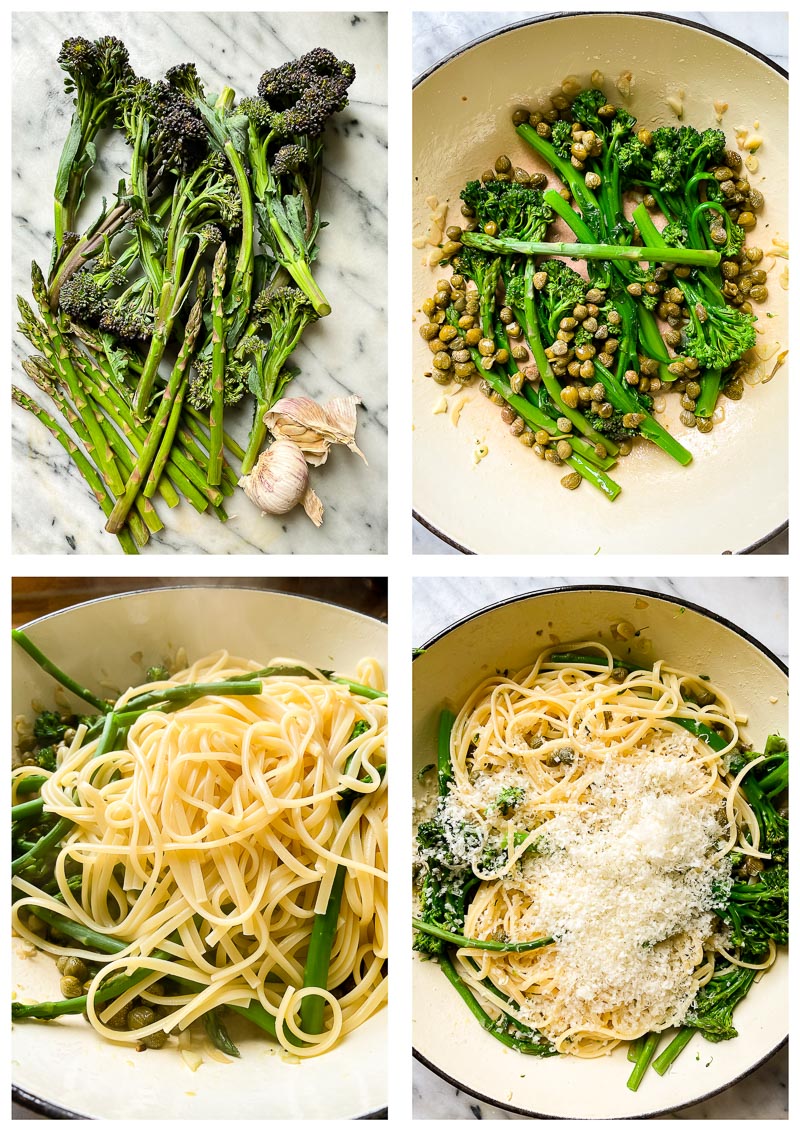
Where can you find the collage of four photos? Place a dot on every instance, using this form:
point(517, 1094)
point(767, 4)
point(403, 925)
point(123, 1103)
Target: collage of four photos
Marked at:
point(281, 303)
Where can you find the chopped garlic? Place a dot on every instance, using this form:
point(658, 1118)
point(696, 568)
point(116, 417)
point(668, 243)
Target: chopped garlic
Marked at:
point(624, 83)
point(598, 78)
point(753, 142)
point(751, 163)
point(481, 452)
point(419, 242)
point(191, 1059)
point(719, 108)
point(456, 413)
point(440, 406)
point(676, 105)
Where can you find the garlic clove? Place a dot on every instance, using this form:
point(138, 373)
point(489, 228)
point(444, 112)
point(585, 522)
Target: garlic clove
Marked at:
point(314, 427)
point(279, 480)
point(312, 505)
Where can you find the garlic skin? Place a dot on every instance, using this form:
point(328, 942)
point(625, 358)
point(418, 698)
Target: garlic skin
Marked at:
point(279, 481)
point(314, 427)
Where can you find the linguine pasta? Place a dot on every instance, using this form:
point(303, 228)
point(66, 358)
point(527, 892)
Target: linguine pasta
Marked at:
point(209, 843)
point(606, 824)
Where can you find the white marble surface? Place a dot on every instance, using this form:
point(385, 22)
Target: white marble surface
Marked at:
point(758, 605)
point(436, 34)
point(53, 511)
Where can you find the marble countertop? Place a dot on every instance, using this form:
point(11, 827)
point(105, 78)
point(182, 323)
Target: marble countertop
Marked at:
point(758, 605)
point(53, 511)
point(435, 34)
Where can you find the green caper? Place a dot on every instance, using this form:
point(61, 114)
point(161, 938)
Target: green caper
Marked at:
point(154, 1040)
point(517, 427)
point(451, 248)
point(428, 306)
point(61, 963)
point(571, 481)
point(75, 968)
point(473, 304)
point(598, 392)
point(746, 220)
point(754, 254)
point(442, 361)
point(458, 282)
point(486, 347)
point(519, 353)
point(71, 987)
point(522, 176)
point(467, 211)
point(487, 175)
point(569, 396)
point(563, 424)
point(447, 333)
point(473, 335)
point(704, 424)
point(453, 233)
point(625, 447)
point(502, 164)
point(506, 315)
point(464, 371)
point(490, 228)
point(734, 390)
point(466, 322)
point(520, 116)
point(688, 419)
point(538, 448)
point(585, 352)
point(436, 345)
point(514, 330)
point(758, 293)
point(601, 451)
point(460, 304)
point(693, 389)
point(563, 449)
point(605, 410)
point(460, 357)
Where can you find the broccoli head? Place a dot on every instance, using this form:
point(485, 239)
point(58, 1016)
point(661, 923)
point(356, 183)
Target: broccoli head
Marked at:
point(520, 212)
point(301, 95)
point(564, 290)
point(49, 727)
point(509, 798)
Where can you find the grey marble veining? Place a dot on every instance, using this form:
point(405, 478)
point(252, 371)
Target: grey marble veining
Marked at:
point(53, 511)
point(759, 606)
point(436, 34)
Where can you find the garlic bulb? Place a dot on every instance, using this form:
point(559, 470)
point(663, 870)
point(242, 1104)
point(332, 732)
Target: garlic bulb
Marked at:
point(279, 481)
point(314, 427)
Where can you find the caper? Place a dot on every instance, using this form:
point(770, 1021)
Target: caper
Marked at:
point(585, 352)
point(461, 357)
point(688, 419)
point(563, 449)
point(428, 306)
point(569, 396)
point(436, 345)
point(487, 175)
point(689, 403)
point(538, 448)
point(460, 304)
point(490, 228)
point(542, 436)
point(520, 116)
point(758, 293)
point(571, 481)
point(442, 361)
point(746, 220)
point(579, 312)
point(473, 334)
point(447, 333)
point(71, 987)
point(466, 322)
point(598, 392)
point(463, 371)
point(552, 456)
point(518, 427)
point(605, 410)
point(519, 353)
point(734, 390)
point(502, 356)
point(754, 254)
point(453, 233)
point(75, 968)
point(486, 347)
point(704, 424)
point(514, 330)
point(506, 315)
point(457, 282)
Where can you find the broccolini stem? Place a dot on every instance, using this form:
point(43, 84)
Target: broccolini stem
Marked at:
point(479, 944)
point(173, 394)
point(673, 1051)
point(49, 840)
point(217, 365)
point(486, 1022)
point(623, 400)
point(611, 252)
point(645, 1055)
point(443, 762)
point(710, 382)
point(315, 973)
point(701, 730)
point(218, 1034)
point(36, 654)
point(93, 480)
point(530, 327)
